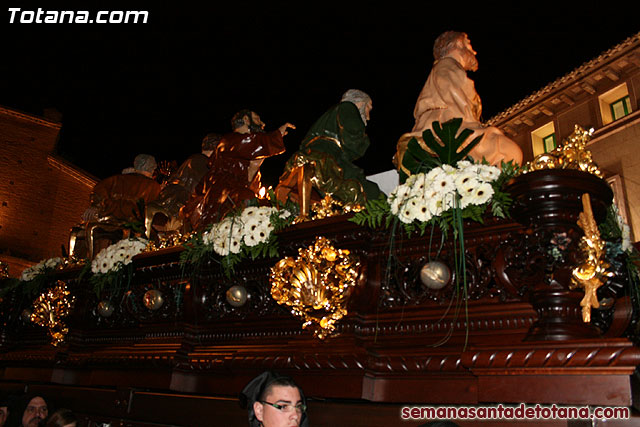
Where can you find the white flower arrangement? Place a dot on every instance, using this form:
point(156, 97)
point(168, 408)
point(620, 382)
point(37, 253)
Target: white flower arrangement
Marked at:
point(249, 233)
point(252, 227)
point(30, 273)
point(117, 255)
point(425, 196)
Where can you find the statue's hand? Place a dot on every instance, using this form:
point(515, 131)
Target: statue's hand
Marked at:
point(284, 127)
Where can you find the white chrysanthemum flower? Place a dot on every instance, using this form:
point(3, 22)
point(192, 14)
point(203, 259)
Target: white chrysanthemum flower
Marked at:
point(284, 214)
point(482, 194)
point(465, 201)
point(263, 233)
point(249, 213)
point(488, 173)
point(444, 183)
point(397, 198)
point(27, 274)
point(235, 245)
point(52, 262)
point(251, 231)
point(207, 238)
point(463, 164)
point(221, 246)
point(405, 215)
point(432, 174)
point(222, 228)
point(465, 182)
point(422, 210)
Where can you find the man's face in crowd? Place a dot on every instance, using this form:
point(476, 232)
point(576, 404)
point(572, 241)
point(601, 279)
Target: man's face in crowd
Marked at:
point(35, 411)
point(287, 398)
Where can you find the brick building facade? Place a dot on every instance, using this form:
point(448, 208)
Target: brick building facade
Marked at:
point(41, 195)
point(602, 94)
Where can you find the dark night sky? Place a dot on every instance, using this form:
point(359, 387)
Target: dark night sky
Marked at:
point(160, 87)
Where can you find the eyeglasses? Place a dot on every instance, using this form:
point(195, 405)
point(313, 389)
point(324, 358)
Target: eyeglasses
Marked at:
point(300, 407)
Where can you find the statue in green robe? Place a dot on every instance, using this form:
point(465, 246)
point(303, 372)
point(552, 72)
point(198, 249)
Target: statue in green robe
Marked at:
point(334, 141)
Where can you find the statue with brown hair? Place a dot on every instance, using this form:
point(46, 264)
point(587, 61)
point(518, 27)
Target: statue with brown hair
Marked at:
point(448, 94)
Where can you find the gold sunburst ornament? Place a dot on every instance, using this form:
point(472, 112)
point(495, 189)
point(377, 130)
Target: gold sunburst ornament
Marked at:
point(50, 309)
point(316, 285)
point(592, 272)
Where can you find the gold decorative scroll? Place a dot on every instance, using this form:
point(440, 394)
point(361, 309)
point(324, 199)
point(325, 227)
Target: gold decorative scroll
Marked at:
point(329, 206)
point(592, 272)
point(572, 153)
point(316, 285)
point(50, 309)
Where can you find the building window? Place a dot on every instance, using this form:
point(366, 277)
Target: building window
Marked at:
point(620, 108)
point(543, 139)
point(615, 104)
point(549, 142)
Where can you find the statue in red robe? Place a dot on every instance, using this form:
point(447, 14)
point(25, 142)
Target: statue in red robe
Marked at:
point(234, 170)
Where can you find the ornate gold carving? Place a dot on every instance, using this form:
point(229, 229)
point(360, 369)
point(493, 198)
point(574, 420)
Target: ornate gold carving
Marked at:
point(316, 285)
point(572, 153)
point(168, 241)
point(329, 206)
point(592, 272)
point(49, 310)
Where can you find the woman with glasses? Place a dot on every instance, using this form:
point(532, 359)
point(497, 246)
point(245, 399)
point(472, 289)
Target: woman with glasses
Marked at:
point(274, 400)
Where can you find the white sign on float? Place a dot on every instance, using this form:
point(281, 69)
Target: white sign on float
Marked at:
point(387, 181)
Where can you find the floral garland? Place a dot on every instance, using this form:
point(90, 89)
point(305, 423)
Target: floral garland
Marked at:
point(439, 196)
point(109, 267)
point(251, 228)
point(114, 257)
point(42, 267)
point(249, 233)
point(32, 279)
point(429, 195)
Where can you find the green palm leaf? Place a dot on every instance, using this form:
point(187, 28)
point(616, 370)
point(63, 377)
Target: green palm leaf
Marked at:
point(446, 147)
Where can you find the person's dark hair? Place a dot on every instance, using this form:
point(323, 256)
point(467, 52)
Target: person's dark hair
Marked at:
point(237, 119)
point(258, 389)
point(280, 381)
point(61, 418)
point(16, 410)
point(445, 42)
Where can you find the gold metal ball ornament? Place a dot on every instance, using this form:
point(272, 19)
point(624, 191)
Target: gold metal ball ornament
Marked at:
point(435, 275)
point(153, 299)
point(105, 308)
point(26, 315)
point(237, 295)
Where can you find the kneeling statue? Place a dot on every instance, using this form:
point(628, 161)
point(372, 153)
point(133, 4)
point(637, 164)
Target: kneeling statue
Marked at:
point(448, 94)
